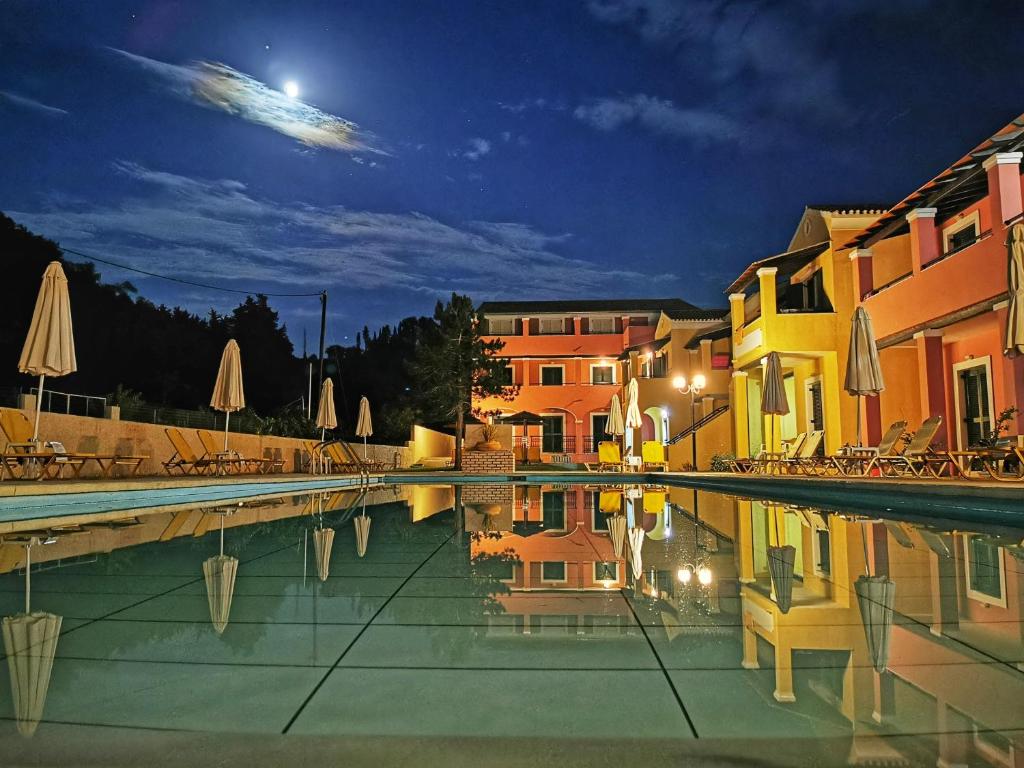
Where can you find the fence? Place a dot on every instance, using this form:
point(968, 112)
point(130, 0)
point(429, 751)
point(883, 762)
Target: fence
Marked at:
point(177, 417)
point(71, 404)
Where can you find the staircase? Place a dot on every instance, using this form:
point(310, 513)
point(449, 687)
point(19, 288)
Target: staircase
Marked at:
point(698, 424)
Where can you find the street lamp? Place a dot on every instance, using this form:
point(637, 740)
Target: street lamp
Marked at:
point(693, 389)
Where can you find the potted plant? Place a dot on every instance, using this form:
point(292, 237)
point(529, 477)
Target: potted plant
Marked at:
point(489, 433)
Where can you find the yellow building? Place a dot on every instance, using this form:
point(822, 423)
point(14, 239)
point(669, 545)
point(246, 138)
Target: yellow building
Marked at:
point(687, 342)
point(799, 304)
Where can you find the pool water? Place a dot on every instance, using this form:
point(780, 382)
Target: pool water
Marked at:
point(511, 625)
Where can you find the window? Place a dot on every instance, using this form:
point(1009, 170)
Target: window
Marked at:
point(985, 574)
point(659, 368)
point(553, 503)
point(551, 325)
point(960, 234)
point(501, 326)
point(606, 571)
point(598, 430)
point(974, 386)
point(806, 296)
point(602, 374)
point(507, 376)
point(552, 571)
point(822, 552)
point(602, 325)
point(553, 434)
point(552, 375)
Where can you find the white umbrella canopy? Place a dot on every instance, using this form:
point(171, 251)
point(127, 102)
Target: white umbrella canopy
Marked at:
point(219, 573)
point(863, 368)
point(362, 524)
point(364, 425)
point(323, 543)
point(1015, 283)
point(636, 543)
point(228, 392)
point(30, 642)
point(617, 531)
point(49, 348)
point(615, 425)
point(326, 417)
point(634, 419)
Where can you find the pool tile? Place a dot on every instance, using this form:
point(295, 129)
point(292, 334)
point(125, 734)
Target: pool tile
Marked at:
point(470, 703)
point(500, 647)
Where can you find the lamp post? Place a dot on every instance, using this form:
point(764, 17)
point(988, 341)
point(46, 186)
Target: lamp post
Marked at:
point(693, 389)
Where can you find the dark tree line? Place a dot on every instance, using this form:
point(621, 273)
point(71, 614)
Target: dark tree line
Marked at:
point(422, 370)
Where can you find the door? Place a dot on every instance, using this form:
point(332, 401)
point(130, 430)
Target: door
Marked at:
point(554, 434)
point(976, 411)
point(553, 503)
point(598, 431)
point(815, 413)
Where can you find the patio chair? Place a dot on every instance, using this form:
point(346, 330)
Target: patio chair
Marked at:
point(338, 459)
point(609, 458)
point(184, 459)
point(857, 459)
point(230, 460)
point(806, 459)
point(653, 454)
point(918, 458)
point(610, 502)
point(765, 459)
point(533, 454)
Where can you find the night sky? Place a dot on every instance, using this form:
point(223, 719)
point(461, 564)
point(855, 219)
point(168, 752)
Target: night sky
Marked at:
point(559, 149)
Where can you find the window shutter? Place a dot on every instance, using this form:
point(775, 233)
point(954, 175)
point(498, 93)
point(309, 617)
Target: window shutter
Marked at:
point(518, 326)
point(569, 328)
point(618, 325)
point(584, 325)
point(534, 326)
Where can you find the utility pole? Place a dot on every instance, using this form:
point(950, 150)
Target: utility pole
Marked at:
point(323, 332)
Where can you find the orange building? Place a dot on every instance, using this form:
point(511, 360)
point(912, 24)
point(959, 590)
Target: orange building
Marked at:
point(932, 273)
point(566, 359)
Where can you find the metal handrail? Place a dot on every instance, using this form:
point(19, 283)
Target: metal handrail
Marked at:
point(47, 399)
point(701, 422)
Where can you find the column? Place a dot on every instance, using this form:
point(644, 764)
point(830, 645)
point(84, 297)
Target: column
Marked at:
point(784, 673)
point(766, 283)
point(738, 403)
point(932, 378)
point(955, 735)
point(830, 389)
point(945, 603)
point(863, 273)
point(736, 312)
point(884, 696)
point(745, 540)
point(924, 237)
point(705, 358)
point(1004, 186)
point(749, 644)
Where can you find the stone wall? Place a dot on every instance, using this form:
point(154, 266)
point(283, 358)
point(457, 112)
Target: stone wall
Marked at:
point(105, 436)
point(488, 462)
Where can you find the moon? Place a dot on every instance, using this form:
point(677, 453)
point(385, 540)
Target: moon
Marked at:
point(291, 89)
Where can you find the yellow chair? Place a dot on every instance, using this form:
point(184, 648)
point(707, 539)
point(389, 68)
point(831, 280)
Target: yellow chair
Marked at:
point(610, 502)
point(654, 502)
point(609, 457)
point(653, 454)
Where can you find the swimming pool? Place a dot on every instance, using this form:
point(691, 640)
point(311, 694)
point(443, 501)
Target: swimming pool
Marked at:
point(509, 624)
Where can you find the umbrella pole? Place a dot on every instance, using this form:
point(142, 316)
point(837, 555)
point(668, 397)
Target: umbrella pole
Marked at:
point(28, 578)
point(859, 443)
point(222, 535)
point(227, 421)
point(364, 447)
point(322, 431)
point(39, 409)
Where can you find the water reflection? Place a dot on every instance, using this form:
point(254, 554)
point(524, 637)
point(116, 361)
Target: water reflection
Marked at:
point(870, 630)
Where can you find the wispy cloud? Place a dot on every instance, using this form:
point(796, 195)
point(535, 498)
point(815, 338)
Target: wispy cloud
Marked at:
point(218, 86)
point(26, 103)
point(537, 103)
point(660, 116)
point(478, 147)
point(216, 231)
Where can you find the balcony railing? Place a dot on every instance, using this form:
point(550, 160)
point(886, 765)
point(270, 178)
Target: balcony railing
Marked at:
point(555, 443)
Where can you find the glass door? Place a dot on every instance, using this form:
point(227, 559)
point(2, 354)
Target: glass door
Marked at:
point(553, 440)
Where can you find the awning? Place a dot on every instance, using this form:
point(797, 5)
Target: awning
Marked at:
point(643, 349)
point(788, 263)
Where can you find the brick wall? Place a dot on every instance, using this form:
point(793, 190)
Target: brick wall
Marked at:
point(489, 462)
point(488, 507)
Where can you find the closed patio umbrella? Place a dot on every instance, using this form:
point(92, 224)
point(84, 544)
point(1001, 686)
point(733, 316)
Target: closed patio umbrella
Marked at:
point(219, 574)
point(617, 531)
point(49, 348)
point(781, 561)
point(323, 542)
point(228, 393)
point(875, 596)
point(1015, 284)
point(364, 425)
point(634, 419)
point(30, 643)
point(326, 418)
point(773, 394)
point(362, 524)
point(614, 426)
point(863, 369)
point(636, 543)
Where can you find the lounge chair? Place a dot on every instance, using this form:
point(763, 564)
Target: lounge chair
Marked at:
point(51, 458)
point(609, 458)
point(765, 459)
point(918, 458)
point(653, 453)
point(231, 461)
point(805, 459)
point(339, 460)
point(856, 459)
point(610, 502)
point(185, 460)
point(533, 454)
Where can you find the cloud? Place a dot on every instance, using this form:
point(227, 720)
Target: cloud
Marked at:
point(27, 103)
point(218, 86)
point(216, 231)
point(525, 105)
point(660, 116)
point(477, 148)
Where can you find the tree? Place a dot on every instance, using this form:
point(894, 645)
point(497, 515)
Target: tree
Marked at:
point(453, 364)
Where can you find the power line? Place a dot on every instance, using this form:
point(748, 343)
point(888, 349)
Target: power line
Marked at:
point(188, 282)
